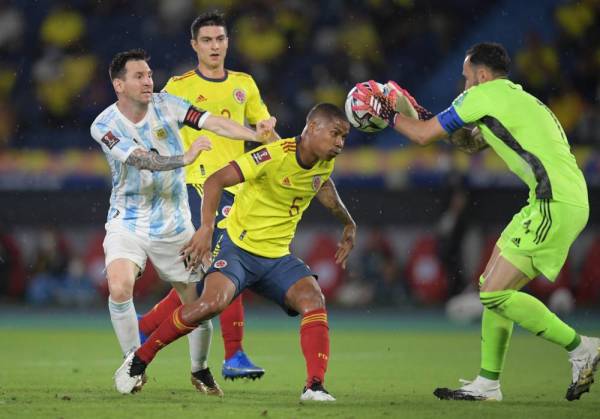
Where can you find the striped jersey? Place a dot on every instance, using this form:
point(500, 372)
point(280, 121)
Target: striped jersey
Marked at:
point(153, 204)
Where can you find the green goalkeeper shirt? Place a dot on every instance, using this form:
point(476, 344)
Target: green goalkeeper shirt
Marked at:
point(525, 134)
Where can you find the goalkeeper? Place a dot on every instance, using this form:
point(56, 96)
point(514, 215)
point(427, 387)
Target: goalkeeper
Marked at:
point(529, 138)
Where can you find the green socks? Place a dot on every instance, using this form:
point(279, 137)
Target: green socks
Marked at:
point(495, 337)
point(531, 314)
point(501, 309)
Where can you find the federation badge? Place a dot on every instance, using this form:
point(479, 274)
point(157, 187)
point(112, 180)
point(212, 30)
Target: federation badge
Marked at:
point(160, 133)
point(220, 264)
point(225, 210)
point(239, 95)
point(316, 183)
point(261, 155)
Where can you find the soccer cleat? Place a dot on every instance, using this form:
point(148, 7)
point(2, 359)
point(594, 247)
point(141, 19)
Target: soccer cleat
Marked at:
point(143, 337)
point(130, 376)
point(316, 392)
point(240, 366)
point(476, 390)
point(584, 366)
point(205, 383)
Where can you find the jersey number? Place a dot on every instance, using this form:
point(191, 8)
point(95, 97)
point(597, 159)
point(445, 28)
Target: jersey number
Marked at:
point(294, 208)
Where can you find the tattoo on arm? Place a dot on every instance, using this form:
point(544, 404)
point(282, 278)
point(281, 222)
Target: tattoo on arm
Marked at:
point(149, 160)
point(329, 197)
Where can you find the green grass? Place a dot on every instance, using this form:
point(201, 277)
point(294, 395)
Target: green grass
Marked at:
point(389, 372)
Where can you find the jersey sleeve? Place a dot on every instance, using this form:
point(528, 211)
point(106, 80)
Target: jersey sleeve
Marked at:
point(253, 164)
point(468, 107)
point(114, 144)
point(184, 112)
point(256, 110)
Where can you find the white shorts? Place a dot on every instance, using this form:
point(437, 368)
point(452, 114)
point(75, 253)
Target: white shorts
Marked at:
point(121, 243)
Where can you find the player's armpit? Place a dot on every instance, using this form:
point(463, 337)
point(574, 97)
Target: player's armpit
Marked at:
point(149, 160)
point(468, 139)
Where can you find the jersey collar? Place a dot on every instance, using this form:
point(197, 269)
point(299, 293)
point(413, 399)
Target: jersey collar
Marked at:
point(298, 160)
point(220, 79)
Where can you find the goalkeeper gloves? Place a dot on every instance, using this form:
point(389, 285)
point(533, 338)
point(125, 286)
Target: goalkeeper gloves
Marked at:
point(384, 108)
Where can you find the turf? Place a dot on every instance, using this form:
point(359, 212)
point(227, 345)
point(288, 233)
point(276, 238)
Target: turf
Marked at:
point(387, 371)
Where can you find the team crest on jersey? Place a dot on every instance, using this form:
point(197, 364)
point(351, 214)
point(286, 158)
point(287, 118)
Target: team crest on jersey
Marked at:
point(261, 155)
point(110, 140)
point(225, 210)
point(220, 264)
point(316, 183)
point(239, 95)
point(160, 133)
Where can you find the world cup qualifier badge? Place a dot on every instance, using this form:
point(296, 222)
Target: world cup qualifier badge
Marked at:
point(261, 155)
point(239, 95)
point(110, 140)
point(316, 183)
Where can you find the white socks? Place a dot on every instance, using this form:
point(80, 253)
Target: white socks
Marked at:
point(125, 323)
point(199, 341)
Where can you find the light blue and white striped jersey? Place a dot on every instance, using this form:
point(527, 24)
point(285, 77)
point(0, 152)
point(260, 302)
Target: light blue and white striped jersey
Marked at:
point(153, 204)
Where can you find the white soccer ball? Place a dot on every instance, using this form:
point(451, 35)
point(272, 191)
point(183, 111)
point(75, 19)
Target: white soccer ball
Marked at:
point(360, 119)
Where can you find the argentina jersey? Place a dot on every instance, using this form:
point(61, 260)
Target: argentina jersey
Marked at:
point(149, 203)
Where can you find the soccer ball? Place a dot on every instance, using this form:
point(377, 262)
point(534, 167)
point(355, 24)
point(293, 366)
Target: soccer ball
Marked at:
point(360, 119)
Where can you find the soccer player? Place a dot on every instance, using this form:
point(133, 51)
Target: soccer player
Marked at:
point(279, 181)
point(149, 216)
point(235, 96)
point(529, 138)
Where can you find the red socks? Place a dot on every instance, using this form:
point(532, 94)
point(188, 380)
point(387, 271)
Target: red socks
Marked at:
point(232, 327)
point(152, 319)
point(314, 339)
point(169, 330)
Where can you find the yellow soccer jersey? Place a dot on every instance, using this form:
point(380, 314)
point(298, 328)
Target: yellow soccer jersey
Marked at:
point(236, 97)
point(276, 191)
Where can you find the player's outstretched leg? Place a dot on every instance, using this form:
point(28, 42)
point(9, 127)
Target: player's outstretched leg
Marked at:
point(152, 319)
point(584, 361)
point(236, 363)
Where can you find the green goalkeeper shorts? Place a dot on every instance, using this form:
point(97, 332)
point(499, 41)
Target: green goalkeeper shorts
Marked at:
point(538, 238)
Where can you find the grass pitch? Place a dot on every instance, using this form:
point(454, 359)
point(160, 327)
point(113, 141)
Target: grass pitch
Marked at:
point(381, 367)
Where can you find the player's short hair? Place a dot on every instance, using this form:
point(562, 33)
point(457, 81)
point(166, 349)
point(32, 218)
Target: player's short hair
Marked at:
point(491, 55)
point(116, 69)
point(326, 110)
point(214, 18)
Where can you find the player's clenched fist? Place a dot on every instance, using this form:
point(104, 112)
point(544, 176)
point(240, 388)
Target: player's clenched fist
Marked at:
point(201, 144)
point(265, 130)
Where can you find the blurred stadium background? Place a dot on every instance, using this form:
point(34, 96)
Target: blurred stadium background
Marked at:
point(427, 217)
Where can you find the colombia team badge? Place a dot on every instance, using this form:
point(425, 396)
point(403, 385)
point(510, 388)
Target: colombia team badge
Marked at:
point(220, 264)
point(316, 183)
point(239, 95)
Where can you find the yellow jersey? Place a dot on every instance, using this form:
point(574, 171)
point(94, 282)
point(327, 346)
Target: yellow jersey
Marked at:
point(276, 190)
point(234, 96)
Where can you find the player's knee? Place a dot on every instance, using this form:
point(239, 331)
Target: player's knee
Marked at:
point(120, 289)
point(312, 301)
